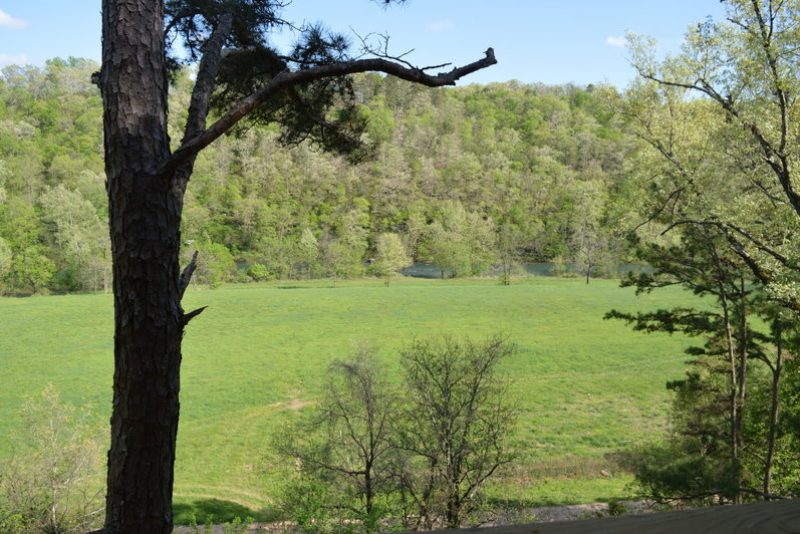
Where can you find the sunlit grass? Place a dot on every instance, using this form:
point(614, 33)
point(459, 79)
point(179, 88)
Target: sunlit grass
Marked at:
point(584, 387)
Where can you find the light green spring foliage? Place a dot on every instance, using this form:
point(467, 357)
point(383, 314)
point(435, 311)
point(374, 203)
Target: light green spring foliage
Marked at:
point(308, 252)
point(391, 256)
point(591, 241)
point(504, 154)
point(80, 237)
point(5, 259)
point(50, 482)
point(215, 265)
point(459, 242)
point(721, 121)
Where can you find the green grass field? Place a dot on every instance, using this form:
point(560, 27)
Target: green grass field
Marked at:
point(585, 387)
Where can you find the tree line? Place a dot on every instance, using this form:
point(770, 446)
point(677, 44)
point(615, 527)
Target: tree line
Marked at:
point(469, 179)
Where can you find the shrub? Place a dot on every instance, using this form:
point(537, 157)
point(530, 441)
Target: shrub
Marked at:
point(46, 486)
point(258, 272)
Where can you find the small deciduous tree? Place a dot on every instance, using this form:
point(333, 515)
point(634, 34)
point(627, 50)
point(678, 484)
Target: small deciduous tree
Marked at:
point(80, 236)
point(307, 253)
point(509, 241)
point(215, 264)
point(258, 272)
point(589, 250)
point(51, 482)
point(31, 269)
point(391, 256)
point(343, 253)
point(457, 426)
point(589, 241)
point(420, 454)
point(459, 241)
point(5, 261)
point(445, 250)
point(346, 445)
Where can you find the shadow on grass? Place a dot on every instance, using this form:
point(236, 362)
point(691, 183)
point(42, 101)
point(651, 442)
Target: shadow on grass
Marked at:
point(220, 511)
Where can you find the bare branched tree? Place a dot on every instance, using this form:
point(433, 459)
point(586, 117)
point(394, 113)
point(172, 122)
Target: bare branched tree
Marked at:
point(348, 440)
point(50, 483)
point(457, 427)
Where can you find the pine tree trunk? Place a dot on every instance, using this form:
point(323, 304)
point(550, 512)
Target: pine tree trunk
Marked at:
point(144, 217)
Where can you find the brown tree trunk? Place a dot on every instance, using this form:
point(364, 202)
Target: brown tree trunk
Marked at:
point(144, 216)
point(777, 369)
point(743, 343)
point(453, 511)
point(733, 384)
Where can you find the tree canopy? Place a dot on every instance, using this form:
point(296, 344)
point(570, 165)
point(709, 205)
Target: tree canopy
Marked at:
point(499, 156)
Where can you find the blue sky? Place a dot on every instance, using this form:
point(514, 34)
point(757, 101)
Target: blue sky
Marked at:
point(547, 41)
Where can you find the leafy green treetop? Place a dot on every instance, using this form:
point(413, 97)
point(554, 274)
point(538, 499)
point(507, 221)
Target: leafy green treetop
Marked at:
point(391, 256)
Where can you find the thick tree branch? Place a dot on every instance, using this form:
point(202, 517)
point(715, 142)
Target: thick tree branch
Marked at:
point(751, 263)
point(763, 247)
point(726, 228)
point(204, 87)
point(761, 274)
point(766, 32)
point(205, 83)
point(286, 79)
point(186, 275)
point(673, 196)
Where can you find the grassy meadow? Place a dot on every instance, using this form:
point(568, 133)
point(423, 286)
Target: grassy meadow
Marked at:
point(585, 387)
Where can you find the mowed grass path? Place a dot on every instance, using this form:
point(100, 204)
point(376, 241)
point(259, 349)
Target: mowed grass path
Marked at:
point(584, 387)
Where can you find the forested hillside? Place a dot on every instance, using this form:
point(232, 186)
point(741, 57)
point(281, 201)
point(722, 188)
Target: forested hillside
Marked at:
point(472, 179)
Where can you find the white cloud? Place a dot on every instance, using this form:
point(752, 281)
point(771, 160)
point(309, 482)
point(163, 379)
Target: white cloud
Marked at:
point(441, 26)
point(617, 41)
point(13, 59)
point(7, 21)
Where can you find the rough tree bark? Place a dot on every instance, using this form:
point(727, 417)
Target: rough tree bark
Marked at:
point(146, 184)
point(144, 218)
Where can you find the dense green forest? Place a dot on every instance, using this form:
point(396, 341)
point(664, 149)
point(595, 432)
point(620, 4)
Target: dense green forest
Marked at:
point(473, 180)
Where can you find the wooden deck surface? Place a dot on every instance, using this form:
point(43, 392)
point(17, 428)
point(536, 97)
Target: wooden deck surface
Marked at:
point(756, 518)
